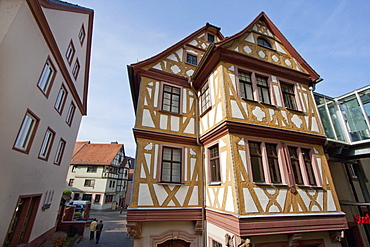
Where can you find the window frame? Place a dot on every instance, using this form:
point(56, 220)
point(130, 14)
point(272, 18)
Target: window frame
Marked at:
point(26, 134)
point(192, 56)
point(211, 35)
point(91, 169)
point(161, 161)
point(71, 181)
point(89, 183)
point(47, 144)
point(205, 98)
point(60, 151)
point(108, 198)
point(254, 86)
point(162, 98)
point(43, 83)
point(81, 34)
point(295, 95)
point(265, 40)
point(60, 100)
point(70, 52)
point(265, 166)
point(76, 69)
point(214, 171)
point(70, 114)
point(97, 198)
point(302, 166)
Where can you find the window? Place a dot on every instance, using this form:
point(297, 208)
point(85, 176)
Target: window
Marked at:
point(46, 78)
point(76, 196)
point(246, 87)
point(70, 114)
point(302, 166)
point(60, 150)
point(46, 144)
point(214, 160)
point(97, 198)
point(294, 161)
point(81, 35)
point(210, 38)
point(61, 98)
point(289, 96)
point(263, 42)
point(264, 162)
point(74, 168)
point(171, 165)
point(254, 87)
point(76, 69)
point(112, 184)
point(108, 198)
point(92, 169)
point(71, 181)
point(89, 182)
point(26, 132)
point(273, 163)
point(216, 244)
point(256, 162)
point(171, 99)
point(191, 59)
point(205, 98)
point(263, 89)
point(70, 52)
point(87, 197)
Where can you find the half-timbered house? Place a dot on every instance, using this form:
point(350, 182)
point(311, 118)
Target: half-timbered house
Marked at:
point(230, 145)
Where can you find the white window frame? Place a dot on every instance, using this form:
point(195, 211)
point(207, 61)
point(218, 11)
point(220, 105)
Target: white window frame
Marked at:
point(47, 144)
point(46, 78)
point(162, 98)
point(60, 151)
point(61, 99)
point(26, 132)
point(205, 98)
point(70, 114)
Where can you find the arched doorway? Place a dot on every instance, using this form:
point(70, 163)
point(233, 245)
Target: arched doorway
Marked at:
point(174, 243)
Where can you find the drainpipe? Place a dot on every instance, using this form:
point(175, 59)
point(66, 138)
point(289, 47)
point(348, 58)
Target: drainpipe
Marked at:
point(197, 118)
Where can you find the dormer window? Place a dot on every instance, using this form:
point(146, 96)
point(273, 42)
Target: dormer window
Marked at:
point(263, 42)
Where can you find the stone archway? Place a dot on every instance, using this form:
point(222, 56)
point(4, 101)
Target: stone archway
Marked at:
point(174, 243)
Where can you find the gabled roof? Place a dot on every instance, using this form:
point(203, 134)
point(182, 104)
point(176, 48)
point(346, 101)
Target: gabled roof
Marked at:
point(262, 16)
point(179, 44)
point(94, 154)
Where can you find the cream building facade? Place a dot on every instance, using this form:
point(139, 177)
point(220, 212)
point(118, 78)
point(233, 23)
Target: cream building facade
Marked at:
point(230, 145)
point(45, 50)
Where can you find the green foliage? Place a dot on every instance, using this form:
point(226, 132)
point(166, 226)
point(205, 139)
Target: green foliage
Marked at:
point(67, 192)
point(58, 241)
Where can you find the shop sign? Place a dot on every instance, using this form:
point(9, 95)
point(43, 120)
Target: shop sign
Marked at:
point(362, 220)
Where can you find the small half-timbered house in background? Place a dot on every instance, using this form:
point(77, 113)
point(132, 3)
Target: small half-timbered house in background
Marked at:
point(230, 145)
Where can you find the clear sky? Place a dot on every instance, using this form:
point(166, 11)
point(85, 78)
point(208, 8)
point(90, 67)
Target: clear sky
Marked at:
point(331, 35)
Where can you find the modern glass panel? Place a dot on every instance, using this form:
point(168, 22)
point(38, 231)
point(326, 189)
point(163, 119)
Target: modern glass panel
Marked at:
point(355, 118)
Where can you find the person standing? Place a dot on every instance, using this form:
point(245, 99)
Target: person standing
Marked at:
point(99, 229)
point(93, 225)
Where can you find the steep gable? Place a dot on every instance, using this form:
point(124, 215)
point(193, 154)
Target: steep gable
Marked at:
point(261, 39)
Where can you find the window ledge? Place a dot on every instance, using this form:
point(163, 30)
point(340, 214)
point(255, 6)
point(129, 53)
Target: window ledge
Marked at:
point(267, 104)
point(250, 100)
point(214, 183)
point(168, 183)
point(309, 186)
point(168, 112)
point(205, 112)
point(295, 110)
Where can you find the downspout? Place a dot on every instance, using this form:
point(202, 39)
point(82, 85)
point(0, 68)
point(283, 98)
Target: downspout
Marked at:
point(197, 118)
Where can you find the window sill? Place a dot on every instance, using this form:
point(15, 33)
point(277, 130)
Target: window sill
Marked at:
point(294, 110)
point(309, 186)
point(271, 184)
point(168, 183)
point(214, 183)
point(267, 104)
point(250, 100)
point(172, 113)
point(205, 112)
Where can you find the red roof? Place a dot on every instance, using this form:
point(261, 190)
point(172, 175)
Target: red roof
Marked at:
point(86, 153)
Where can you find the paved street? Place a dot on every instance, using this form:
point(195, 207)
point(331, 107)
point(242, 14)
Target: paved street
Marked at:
point(114, 231)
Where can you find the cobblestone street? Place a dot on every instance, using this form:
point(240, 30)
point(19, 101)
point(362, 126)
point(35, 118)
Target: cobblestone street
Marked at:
point(114, 231)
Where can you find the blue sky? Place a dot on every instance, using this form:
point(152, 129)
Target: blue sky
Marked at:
point(332, 36)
